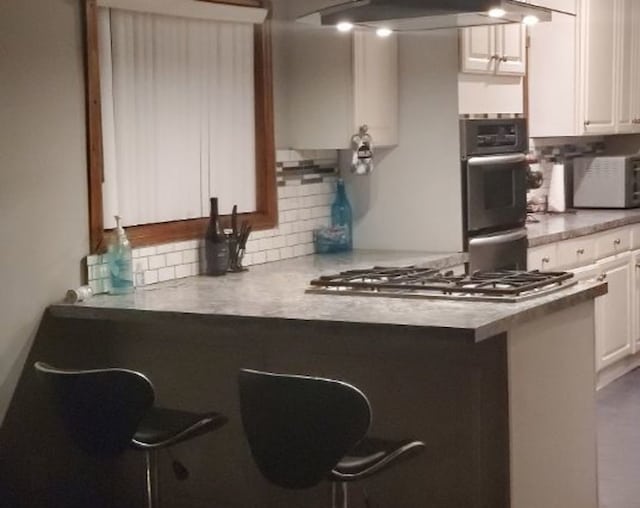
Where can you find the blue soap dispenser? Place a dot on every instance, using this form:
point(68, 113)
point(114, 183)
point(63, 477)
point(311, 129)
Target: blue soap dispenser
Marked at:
point(120, 261)
point(341, 215)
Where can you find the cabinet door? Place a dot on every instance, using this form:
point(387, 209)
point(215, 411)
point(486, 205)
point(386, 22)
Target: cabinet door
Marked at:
point(376, 86)
point(552, 77)
point(599, 65)
point(634, 83)
point(635, 266)
point(511, 50)
point(613, 312)
point(478, 48)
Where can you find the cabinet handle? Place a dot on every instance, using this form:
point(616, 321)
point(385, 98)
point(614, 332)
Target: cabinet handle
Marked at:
point(504, 59)
point(495, 57)
point(617, 241)
point(638, 266)
point(580, 252)
point(587, 123)
point(545, 260)
point(602, 278)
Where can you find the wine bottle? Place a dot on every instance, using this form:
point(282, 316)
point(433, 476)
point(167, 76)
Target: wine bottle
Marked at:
point(216, 244)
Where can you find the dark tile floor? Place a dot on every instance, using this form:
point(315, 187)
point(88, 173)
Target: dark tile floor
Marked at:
point(619, 443)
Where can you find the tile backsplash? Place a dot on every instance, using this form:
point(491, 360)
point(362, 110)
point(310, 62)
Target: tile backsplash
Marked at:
point(306, 188)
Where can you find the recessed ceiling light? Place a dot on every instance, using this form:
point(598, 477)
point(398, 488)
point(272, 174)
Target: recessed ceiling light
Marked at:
point(384, 32)
point(497, 13)
point(530, 20)
point(344, 26)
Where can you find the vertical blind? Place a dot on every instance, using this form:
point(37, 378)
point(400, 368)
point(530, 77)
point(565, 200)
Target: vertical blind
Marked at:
point(178, 116)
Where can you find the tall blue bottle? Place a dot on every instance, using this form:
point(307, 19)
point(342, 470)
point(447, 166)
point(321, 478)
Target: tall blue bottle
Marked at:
point(341, 214)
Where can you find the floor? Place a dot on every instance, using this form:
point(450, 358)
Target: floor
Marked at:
point(619, 443)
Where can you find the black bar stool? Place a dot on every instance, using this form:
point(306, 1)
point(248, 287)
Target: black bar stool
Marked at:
point(107, 411)
point(302, 430)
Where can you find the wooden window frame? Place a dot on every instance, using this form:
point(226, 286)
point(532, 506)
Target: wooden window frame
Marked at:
point(265, 217)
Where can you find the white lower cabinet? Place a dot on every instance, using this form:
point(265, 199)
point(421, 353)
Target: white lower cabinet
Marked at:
point(614, 322)
point(635, 307)
point(613, 256)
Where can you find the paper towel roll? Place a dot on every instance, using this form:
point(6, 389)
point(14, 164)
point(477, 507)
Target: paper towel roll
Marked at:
point(556, 189)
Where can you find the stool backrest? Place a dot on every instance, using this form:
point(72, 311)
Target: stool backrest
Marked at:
point(101, 409)
point(299, 427)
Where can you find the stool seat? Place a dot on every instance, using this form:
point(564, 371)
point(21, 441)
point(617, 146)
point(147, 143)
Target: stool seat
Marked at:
point(162, 427)
point(371, 456)
point(106, 411)
point(302, 430)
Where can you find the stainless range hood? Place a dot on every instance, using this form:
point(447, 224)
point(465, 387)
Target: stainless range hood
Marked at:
point(417, 15)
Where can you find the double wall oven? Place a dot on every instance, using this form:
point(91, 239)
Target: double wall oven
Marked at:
point(494, 172)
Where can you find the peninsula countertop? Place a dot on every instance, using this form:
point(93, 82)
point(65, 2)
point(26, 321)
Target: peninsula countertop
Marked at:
point(575, 223)
point(277, 291)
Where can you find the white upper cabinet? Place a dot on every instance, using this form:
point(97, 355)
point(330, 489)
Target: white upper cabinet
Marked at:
point(584, 74)
point(598, 25)
point(339, 82)
point(629, 89)
point(496, 50)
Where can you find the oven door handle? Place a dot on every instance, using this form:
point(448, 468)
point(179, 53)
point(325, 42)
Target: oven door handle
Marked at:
point(497, 160)
point(510, 236)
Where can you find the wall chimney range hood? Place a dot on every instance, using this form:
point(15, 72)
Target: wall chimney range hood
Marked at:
point(419, 15)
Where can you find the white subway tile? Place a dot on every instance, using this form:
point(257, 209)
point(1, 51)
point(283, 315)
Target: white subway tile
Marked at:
point(158, 261)
point(259, 258)
point(266, 244)
point(273, 255)
point(304, 213)
point(305, 237)
point(196, 269)
point(289, 216)
point(248, 259)
point(168, 273)
point(93, 260)
point(279, 242)
point(183, 271)
point(174, 258)
point(252, 246)
point(292, 239)
point(141, 265)
point(298, 250)
point(289, 204)
point(147, 251)
point(189, 256)
point(286, 252)
point(320, 211)
point(150, 277)
point(167, 247)
point(285, 229)
point(308, 248)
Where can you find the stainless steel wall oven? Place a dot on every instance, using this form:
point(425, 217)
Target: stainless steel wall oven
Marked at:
point(494, 171)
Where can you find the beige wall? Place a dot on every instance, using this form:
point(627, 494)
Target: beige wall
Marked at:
point(43, 196)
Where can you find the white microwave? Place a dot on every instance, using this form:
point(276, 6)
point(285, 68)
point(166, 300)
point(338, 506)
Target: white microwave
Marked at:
point(611, 181)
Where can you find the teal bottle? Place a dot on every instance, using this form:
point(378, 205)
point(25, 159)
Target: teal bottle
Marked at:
point(120, 261)
point(341, 216)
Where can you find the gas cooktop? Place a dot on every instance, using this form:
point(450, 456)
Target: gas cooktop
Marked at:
point(416, 282)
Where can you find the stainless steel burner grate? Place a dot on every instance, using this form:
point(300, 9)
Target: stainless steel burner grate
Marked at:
point(416, 282)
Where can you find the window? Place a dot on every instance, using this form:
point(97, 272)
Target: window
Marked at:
point(179, 109)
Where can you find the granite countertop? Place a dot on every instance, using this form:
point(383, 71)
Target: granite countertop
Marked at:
point(277, 291)
point(557, 227)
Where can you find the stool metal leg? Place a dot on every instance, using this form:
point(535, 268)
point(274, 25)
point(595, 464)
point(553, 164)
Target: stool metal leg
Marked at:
point(151, 471)
point(339, 495)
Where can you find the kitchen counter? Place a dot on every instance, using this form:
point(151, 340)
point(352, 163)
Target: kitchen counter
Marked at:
point(499, 392)
point(277, 291)
point(557, 227)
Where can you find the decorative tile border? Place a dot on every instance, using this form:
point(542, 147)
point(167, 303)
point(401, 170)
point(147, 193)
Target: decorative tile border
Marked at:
point(491, 116)
point(306, 189)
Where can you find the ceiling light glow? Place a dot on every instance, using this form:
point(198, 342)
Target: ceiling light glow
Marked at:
point(384, 32)
point(497, 13)
point(344, 26)
point(530, 20)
